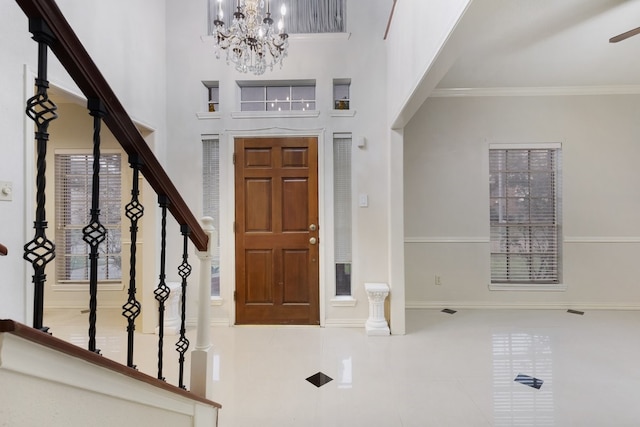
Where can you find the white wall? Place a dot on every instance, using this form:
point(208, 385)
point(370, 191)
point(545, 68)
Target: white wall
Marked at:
point(418, 32)
point(16, 49)
point(447, 209)
point(361, 58)
point(157, 77)
point(126, 40)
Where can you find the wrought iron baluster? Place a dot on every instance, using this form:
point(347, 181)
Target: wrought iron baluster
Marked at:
point(40, 251)
point(134, 211)
point(162, 291)
point(94, 233)
point(184, 270)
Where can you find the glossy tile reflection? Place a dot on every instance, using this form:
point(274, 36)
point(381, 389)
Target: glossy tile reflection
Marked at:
point(446, 371)
point(514, 353)
point(529, 381)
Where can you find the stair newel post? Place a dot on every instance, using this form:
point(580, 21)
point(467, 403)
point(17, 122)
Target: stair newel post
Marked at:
point(161, 293)
point(184, 270)
point(94, 233)
point(202, 354)
point(134, 211)
point(40, 251)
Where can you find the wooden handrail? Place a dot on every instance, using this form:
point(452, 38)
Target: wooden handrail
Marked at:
point(75, 59)
point(3, 250)
point(44, 339)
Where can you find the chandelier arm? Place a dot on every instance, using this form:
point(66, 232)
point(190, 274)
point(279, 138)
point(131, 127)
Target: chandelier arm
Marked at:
point(250, 41)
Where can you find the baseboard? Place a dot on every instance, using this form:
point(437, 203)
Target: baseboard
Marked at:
point(329, 323)
point(222, 321)
point(430, 305)
point(83, 306)
point(344, 323)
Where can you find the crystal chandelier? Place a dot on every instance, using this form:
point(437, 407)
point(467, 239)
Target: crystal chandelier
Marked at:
point(251, 42)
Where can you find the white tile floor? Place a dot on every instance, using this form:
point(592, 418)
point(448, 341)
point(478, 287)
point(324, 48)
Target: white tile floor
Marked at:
point(449, 370)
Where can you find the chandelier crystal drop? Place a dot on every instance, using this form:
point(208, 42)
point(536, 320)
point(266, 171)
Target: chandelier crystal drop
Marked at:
point(251, 42)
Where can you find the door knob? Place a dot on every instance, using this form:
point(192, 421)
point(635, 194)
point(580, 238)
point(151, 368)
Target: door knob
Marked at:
point(313, 240)
point(313, 227)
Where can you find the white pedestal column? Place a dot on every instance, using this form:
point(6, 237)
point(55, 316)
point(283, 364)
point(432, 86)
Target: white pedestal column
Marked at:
point(376, 323)
point(202, 355)
point(172, 310)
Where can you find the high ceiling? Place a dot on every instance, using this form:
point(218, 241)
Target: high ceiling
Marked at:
point(545, 43)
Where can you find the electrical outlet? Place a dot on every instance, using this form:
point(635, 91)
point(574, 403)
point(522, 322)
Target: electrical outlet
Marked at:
point(438, 281)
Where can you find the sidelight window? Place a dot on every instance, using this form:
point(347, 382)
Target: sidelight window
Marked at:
point(211, 200)
point(342, 212)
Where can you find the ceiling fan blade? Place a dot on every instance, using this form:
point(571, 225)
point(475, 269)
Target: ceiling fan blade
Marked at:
point(623, 36)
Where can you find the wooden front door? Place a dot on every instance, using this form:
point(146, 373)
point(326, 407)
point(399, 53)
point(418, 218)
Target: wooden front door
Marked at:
point(277, 256)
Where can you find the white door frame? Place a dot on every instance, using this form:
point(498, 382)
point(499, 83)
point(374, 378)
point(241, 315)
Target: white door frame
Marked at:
point(227, 210)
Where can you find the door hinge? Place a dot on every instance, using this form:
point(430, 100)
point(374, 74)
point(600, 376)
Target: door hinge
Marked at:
point(235, 294)
point(234, 226)
point(234, 158)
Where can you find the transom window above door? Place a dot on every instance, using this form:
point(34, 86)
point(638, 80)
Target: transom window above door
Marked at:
point(298, 95)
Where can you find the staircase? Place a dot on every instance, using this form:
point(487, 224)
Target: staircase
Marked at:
point(47, 381)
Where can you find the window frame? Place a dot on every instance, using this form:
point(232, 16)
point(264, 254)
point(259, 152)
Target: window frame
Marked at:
point(211, 171)
point(65, 283)
point(343, 206)
point(302, 16)
point(268, 103)
point(555, 179)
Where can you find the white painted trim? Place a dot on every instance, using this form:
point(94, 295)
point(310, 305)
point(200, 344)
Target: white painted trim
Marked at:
point(345, 323)
point(192, 322)
point(274, 114)
point(207, 115)
point(227, 213)
point(486, 305)
point(220, 322)
point(446, 240)
point(73, 305)
point(88, 151)
point(84, 287)
point(536, 91)
point(24, 357)
point(525, 146)
point(602, 239)
point(342, 113)
point(29, 191)
point(527, 287)
point(343, 301)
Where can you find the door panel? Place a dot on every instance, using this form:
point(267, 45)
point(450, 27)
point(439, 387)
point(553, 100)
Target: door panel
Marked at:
point(258, 276)
point(295, 216)
point(277, 255)
point(295, 271)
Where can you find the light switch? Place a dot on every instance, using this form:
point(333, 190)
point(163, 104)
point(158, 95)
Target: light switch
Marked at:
point(6, 191)
point(363, 200)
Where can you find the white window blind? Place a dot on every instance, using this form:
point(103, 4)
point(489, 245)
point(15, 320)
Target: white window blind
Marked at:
point(525, 215)
point(211, 199)
point(73, 188)
point(303, 16)
point(342, 212)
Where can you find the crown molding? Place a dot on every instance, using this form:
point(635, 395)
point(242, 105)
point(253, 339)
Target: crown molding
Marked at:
point(536, 91)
